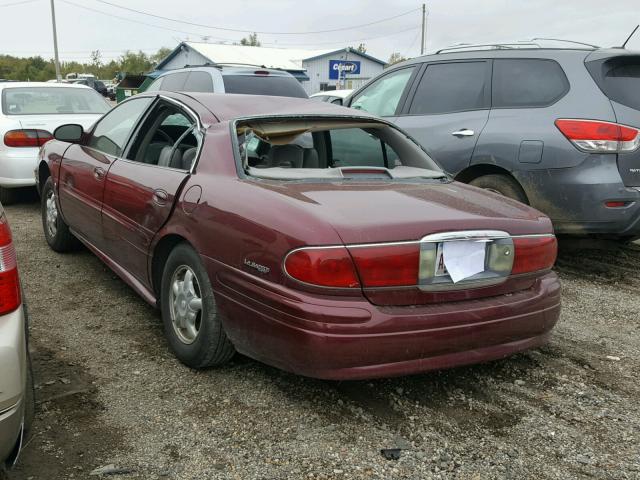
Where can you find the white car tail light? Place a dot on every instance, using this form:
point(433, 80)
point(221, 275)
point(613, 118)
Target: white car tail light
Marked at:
point(594, 136)
point(9, 282)
point(26, 138)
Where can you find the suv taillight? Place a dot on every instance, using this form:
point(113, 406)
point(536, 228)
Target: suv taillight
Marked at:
point(9, 282)
point(595, 136)
point(26, 138)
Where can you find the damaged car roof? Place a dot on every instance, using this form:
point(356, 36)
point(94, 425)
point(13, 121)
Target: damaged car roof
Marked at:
point(230, 106)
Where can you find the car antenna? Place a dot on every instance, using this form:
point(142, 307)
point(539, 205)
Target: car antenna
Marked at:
point(629, 37)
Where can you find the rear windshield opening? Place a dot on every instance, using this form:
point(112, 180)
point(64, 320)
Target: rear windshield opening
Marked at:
point(274, 85)
point(330, 149)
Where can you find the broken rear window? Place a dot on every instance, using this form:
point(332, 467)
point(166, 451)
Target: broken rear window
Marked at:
point(299, 149)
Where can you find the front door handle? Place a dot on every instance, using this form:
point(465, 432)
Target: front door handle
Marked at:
point(160, 197)
point(465, 132)
point(98, 173)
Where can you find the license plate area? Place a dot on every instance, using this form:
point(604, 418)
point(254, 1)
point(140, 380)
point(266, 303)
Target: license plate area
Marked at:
point(471, 258)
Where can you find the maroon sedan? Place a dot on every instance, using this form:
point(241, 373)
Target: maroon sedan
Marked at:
point(311, 237)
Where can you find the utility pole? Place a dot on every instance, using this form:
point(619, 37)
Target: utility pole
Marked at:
point(424, 27)
point(55, 43)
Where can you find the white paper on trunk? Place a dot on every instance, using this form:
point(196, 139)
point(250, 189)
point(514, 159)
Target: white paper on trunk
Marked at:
point(463, 258)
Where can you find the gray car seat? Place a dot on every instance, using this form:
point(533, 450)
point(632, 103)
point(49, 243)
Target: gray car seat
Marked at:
point(286, 156)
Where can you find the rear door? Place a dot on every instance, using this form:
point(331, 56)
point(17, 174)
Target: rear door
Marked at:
point(141, 188)
point(618, 76)
point(85, 166)
point(447, 110)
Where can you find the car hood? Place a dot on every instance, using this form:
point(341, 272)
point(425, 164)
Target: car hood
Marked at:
point(374, 212)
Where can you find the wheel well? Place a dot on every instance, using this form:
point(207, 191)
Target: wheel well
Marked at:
point(160, 255)
point(43, 174)
point(475, 171)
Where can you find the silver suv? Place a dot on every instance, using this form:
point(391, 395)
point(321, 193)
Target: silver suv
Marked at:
point(16, 387)
point(230, 78)
point(556, 128)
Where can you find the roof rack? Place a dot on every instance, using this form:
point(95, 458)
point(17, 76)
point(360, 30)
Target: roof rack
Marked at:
point(238, 64)
point(533, 43)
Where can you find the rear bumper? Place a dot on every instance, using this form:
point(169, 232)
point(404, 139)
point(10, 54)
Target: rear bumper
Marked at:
point(13, 378)
point(574, 198)
point(353, 339)
point(17, 166)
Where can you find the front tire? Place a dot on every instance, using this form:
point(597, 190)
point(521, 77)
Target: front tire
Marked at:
point(501, 184)
point(7, 195)
point(192, 323)
point(56, 231)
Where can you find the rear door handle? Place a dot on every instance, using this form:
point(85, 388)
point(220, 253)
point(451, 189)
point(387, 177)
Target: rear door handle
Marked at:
point(465, 132)
point(160, 196)
point(98, 173)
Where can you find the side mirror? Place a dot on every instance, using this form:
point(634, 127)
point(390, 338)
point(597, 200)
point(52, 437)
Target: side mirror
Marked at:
point(71, 133)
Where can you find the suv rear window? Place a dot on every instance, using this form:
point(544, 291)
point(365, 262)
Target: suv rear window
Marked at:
point(275, 85)
point(619, 79)
point(521, 83)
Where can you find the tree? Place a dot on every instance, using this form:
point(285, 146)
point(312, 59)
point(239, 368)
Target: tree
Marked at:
point(361, 48)
point(96, 60)
point(251, 41)
point(396, 57)
point(160, 55)
point(135, 63)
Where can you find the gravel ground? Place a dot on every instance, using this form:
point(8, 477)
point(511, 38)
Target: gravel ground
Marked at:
point(110, 392)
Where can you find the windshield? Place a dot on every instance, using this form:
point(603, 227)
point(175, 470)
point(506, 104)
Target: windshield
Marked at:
point(330, 149)
point(276, 85)
point(51, 101)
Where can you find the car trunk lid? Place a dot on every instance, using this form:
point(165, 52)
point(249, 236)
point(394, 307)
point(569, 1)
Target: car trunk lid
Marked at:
point(365, 213)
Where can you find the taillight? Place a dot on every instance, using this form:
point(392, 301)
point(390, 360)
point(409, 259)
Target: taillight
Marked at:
point(533, 254)
point(325, 267)
point(9, 282)
point(392, 265)
point(594, 136)
point(26, 138)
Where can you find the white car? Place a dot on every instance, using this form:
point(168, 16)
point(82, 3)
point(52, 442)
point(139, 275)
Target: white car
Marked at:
point(31, 111)
point(332, 96)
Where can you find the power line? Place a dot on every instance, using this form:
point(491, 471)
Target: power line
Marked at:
point(337, 42)
point(256, 31)
point(17, 3)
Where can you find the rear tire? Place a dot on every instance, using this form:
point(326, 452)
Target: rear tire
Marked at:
point(56, 231)
point(7, 195)
point(502, 184)
point(192, 323)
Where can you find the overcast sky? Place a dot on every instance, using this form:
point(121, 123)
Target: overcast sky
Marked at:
point(25, 29)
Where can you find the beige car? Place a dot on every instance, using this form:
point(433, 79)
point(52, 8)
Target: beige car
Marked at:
point(16, 387)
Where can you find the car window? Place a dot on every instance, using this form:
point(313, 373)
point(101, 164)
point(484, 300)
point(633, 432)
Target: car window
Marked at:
point(155, 85)
point(527, 83)
point(112, 131)
point(174, 82)
point(619, 79)
point(52, 101)
point(450, 87)
point(167, 138)
point(198, 82)
point(354, 147)
point(278, 85)
point(382, 96)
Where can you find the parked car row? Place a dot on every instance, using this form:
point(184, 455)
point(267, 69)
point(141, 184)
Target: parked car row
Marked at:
point(329, 241)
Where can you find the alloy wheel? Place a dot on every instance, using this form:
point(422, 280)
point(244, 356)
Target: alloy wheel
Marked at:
point(185, 303)
point(51, 214)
